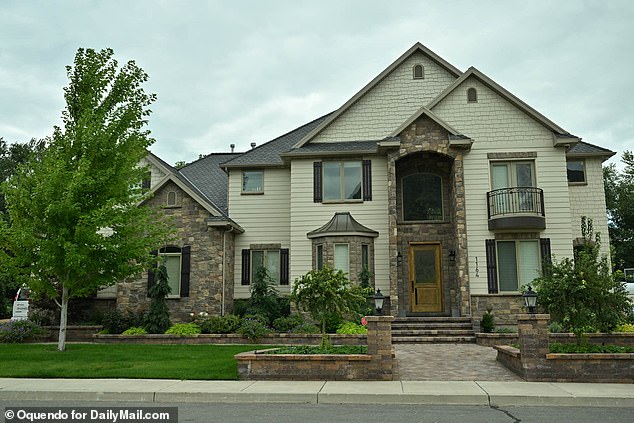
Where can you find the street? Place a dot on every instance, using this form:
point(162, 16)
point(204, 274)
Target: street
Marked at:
point(308, 413)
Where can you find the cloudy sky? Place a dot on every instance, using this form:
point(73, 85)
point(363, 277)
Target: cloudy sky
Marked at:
point(248, 71)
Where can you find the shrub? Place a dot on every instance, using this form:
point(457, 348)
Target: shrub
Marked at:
point(625, 327)
point(183, 329)
point(137, 330)
point(351, 328)
point(116, 322)
point(505, 330)
point(487, 324)
point(16, 331)
point(253, 329)
point(306, 328)
point(582, 294)
point(287, 324)
point(259, 317)
point(555, 327)
point(157, 319)
point(220, 324)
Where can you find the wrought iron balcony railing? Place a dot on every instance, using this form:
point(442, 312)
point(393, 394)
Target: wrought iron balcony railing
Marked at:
point(515, 201)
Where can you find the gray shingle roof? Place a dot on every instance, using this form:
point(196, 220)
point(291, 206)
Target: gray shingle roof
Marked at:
point(587, 149)
point(268, 154)
point(209, 178)
point(334, 147)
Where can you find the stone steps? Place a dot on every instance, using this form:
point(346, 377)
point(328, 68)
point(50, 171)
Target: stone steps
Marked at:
point(432, 330)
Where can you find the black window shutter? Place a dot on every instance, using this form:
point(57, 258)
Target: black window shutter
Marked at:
point(284, 266)
point(246, 266)
point(492, 274)
point(544, 247)
point(185, 266)
point(150, 272)
point(317, 187)
point(367, 180)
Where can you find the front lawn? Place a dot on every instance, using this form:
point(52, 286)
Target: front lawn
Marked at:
point(207, 362)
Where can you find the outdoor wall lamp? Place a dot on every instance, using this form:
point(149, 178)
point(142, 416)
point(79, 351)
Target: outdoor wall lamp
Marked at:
point(378, 301)
point(530, 299)
point(399, 258)
point(452, 255)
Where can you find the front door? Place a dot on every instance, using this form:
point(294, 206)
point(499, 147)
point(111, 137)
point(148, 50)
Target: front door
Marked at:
point(425, 276)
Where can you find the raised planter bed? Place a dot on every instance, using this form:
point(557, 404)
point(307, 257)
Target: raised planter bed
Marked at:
point(607, 368)
point(623, 339)
point(231, 338)
point(261, 366)
point(493, 339)
point(73, 333)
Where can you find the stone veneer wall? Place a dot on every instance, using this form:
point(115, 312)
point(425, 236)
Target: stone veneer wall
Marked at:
point(354, 253)
point(206, 266)
point(505, 308)
point(427, 138)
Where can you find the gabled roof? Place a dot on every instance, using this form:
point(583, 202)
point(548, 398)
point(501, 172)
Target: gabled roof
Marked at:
point(159, 163)
point(425, 111)
point(585, 149)
point(207, 175)
point(341, 224)
point(473, 72)
point(418, 47)
point(268, 154)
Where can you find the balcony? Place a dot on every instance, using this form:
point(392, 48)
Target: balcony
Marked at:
point(517, 208)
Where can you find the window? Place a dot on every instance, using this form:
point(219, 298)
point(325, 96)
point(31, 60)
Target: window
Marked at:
point(342, 181)
point(515, 175)
point(472, 95)
point(336, 181)
point(171, 198)
point(576, 170)
point(419, 72)
point(365, 256)
point(252, 182)
point(518, 263)
point(269, 259)
point(422, 197)
point(342, 258)
point(275, 261)
point(320, 257)
point(177, 263)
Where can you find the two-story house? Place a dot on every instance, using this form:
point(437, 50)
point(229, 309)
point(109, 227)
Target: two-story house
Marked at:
point(450, 190)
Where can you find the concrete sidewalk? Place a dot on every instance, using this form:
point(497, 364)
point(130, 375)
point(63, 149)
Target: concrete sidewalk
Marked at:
point(486, 393)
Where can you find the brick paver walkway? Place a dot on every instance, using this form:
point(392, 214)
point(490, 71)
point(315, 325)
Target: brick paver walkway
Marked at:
point(450, 362)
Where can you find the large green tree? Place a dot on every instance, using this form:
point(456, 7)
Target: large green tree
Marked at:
point(75, 224)
point(619, 196)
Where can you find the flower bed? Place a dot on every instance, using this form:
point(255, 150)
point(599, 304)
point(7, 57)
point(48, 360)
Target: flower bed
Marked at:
point(230, 338)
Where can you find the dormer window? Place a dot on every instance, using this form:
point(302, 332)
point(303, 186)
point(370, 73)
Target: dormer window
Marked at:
point(419, 72)
point(472, 95)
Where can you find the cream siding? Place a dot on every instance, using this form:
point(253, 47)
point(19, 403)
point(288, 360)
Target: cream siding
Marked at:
point(307, 216)
point(265, 218)
point(156, 174)
point(589, 200)
point(388, 104)
point(497, 126)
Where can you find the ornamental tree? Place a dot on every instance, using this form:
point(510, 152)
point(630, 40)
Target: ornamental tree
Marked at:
point(75, 224)
point(326, 292)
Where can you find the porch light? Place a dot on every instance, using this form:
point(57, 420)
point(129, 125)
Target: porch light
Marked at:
point(378, 301)
point(530, 299)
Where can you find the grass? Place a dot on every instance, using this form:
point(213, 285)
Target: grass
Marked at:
point(205, 362)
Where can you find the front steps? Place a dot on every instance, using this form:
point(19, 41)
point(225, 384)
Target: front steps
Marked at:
point(418, 330)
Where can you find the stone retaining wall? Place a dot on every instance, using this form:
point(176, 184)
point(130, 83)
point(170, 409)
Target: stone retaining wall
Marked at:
point(376, 365)
point(621, 339)
point(73, 333)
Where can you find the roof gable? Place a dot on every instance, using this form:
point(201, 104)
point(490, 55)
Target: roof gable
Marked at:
point(416, 49)
point(501, 91)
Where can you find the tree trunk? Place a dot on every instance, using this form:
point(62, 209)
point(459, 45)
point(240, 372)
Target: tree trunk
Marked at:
point(61, 344)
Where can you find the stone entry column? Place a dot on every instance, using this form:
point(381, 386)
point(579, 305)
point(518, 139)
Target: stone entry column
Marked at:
point(380, 347)
point(533, 337)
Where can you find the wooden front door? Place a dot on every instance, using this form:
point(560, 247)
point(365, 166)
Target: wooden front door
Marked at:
point(425, 276)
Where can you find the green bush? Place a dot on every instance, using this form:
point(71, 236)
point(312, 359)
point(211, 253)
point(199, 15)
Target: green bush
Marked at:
point(555, 327)
point(581, 293)
point(258, 317)
point(220, 324)
point(157, 320)
point(240, 306)
point(253, 328)
point(184, 329)
point(625, 327)
point(116, 322)
point(287, 324)
point(351, 328)
point(557, 348)
point(135, 331)
point(306, 328)
point(505, 330)
point(487, 324)
point(17, 331)
point(309, 349)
